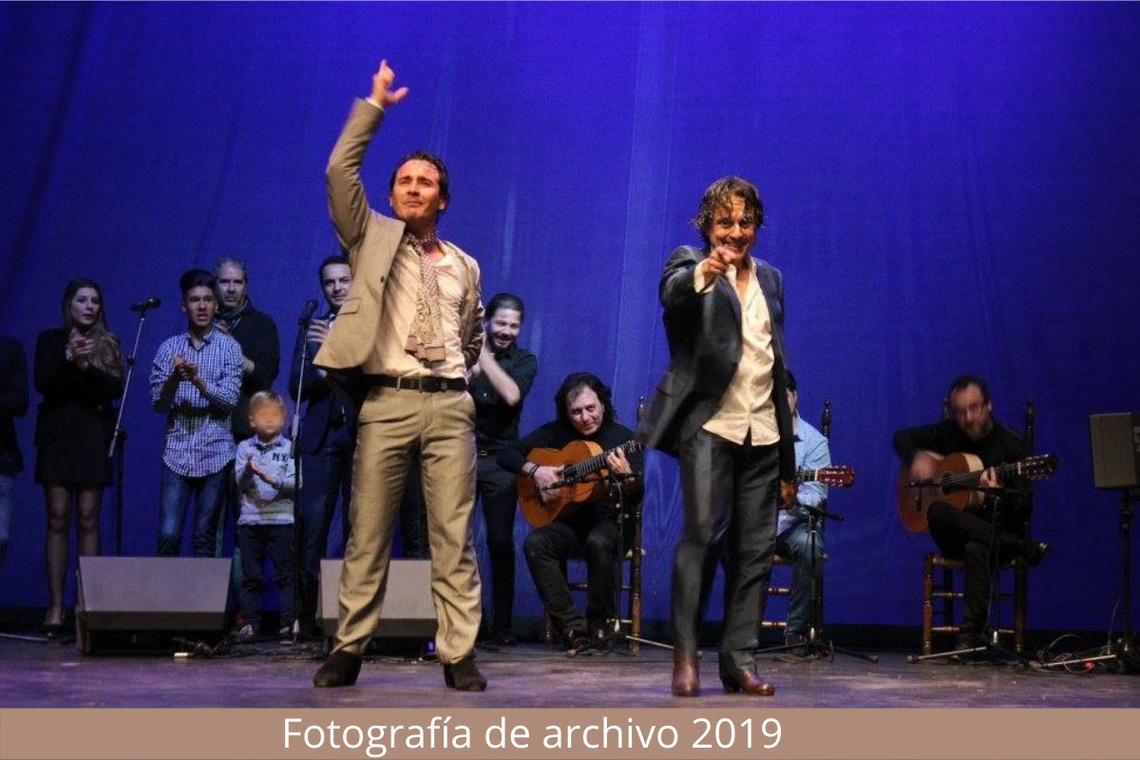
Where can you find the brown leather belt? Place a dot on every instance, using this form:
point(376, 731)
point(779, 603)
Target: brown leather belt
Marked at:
point(421, 384)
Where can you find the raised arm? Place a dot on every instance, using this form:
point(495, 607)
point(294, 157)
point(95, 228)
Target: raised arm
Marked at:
point(348, 205)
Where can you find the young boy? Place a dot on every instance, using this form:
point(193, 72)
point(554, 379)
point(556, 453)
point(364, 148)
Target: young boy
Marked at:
point(195, 381)
point(266, 481)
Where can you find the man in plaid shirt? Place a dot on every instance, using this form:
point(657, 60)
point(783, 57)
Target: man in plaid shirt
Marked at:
point(195, 381)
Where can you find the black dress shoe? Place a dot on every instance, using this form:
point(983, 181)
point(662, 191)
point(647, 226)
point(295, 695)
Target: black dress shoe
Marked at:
point(574, 639)
point(686, 674)
point(746, 681)
point(505, 638)
point(1034, 552)
point(340, 669)
point(464, 676)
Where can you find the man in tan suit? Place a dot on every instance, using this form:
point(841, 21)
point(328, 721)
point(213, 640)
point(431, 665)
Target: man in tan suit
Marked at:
point(399, 350)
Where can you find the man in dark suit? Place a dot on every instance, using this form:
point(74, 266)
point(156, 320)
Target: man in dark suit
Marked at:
point(326, 441)
point(13, 403)
point(722, 410)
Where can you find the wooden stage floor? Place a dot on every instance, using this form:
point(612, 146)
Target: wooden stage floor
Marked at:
point(55, 674)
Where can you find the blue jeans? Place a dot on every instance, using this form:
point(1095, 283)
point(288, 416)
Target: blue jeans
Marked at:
point(174, 499)
point(254, 542)
point(6, 484)
point(794, 544)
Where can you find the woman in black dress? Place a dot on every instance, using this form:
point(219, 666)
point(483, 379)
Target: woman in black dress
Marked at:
point(79, 373)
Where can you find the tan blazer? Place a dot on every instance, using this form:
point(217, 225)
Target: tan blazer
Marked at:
point(370, 240)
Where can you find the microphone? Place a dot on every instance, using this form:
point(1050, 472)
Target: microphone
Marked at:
point(307, 312)
point(151, 303)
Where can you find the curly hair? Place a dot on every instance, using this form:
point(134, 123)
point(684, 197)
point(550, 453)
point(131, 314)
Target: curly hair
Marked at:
point(720, 194)
point(572, 386)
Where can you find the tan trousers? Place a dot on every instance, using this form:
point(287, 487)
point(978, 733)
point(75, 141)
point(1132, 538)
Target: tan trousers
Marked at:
point(392, 424)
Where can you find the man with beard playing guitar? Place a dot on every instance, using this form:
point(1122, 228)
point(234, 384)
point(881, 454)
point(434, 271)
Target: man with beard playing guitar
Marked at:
point(969, 534)
point(585, 413)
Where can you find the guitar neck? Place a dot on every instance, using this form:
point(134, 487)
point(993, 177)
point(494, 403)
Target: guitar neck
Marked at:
point(594, 464)
point(967, 479)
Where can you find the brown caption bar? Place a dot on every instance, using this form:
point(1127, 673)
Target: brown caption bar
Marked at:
point(466, 734)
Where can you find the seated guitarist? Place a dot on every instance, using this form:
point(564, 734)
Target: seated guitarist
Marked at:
point(584, 413)
point(793, 542)
point(969, 534)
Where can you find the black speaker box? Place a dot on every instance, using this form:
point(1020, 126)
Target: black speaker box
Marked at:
point(1115, 450)
point(123, 599)
point(408, 608)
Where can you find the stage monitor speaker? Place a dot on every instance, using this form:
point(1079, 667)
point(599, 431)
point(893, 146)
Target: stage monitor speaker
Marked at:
point(408, 607)
point(1116, 449)
point(147, 595)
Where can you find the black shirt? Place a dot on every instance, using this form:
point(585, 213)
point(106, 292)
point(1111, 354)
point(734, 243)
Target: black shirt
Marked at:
point(496, 422)
point(256, 333)
point(555, 435)
point(1000, 446)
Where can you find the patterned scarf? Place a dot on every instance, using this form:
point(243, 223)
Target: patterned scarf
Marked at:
point(425, 336)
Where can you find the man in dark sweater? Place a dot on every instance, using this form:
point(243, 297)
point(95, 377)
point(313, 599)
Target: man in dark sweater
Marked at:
point(256, 333)
point(584, 408)
point(971, 534)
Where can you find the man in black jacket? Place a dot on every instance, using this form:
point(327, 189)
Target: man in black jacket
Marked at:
point(584, 409)
point(256, 333)
point(971, 534)
point(326, 440)
point(722, 410)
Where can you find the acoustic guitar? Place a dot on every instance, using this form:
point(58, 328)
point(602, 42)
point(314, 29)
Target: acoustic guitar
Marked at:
point(584, 479)
point(584, 475)
point(955, 481)
point(832, 475)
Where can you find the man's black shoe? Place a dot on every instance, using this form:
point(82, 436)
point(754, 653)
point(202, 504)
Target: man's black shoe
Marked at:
point(463, 676)
point(340, 669)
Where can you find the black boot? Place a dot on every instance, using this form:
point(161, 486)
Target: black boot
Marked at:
point(340, 669)
point(463, 676)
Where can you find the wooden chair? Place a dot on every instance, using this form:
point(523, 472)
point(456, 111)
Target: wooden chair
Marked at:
point(942, 589)
point(629, 583)
point(785, 590)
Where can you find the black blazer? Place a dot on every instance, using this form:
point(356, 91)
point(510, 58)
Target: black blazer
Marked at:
point(78, 404)
point(703, 331)
point(323, 402)
point(13, 402)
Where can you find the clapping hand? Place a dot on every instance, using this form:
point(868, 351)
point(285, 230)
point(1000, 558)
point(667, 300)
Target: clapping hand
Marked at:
point(79, 348)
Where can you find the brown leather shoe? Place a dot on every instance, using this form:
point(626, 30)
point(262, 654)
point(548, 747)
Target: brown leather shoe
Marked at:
point(748, 682)
point(463, 676)
point(340, 669)
point(686, 674)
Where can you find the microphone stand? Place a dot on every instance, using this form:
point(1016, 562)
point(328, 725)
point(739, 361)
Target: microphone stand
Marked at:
point(1123, 649)
point(816, 646)
point(295, 433)
point(615, 633)
point(117, 448)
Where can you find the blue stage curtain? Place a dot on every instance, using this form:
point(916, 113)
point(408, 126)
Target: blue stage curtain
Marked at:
point(949, 188)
